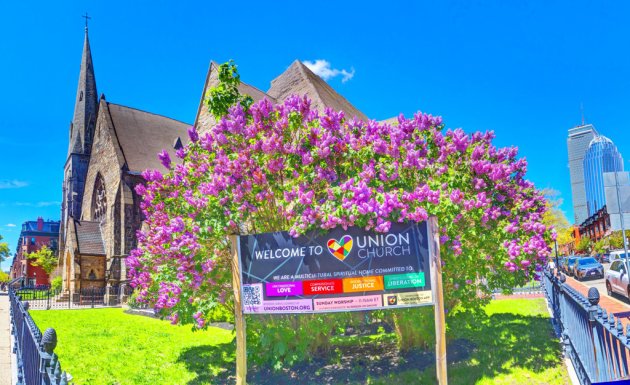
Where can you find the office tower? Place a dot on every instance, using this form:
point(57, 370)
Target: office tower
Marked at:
point(578, 143)
point(602, 156)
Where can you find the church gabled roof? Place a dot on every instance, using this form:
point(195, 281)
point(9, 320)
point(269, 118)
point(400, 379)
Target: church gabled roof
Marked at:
point(142, 135)
point(89, 238)
point(300, 80)
point(204, 118)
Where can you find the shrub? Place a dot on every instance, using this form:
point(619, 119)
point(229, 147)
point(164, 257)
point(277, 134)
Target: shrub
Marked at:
point(55, 284)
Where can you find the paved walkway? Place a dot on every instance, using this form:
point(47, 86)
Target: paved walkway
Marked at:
point(5, 341)
point(610, 304)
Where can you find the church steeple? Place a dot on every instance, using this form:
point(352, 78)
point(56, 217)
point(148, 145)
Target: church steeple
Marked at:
point(86, 105)
point(81, 135)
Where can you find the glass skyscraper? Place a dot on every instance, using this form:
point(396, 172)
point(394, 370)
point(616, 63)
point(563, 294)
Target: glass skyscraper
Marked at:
point(602, 156)
point(577, 144)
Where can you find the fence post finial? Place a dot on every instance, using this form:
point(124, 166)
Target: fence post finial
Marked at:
point(49, 340)
point(593, 299)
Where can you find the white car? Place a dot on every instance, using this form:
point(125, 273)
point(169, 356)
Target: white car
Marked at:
point(617, 254)
point(617, 278)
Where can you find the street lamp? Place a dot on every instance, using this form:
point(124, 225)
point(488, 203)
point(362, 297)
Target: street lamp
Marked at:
point(556, 244)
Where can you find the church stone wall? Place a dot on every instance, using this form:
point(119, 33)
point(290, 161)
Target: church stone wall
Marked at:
point(106, 162)
point(117, 223)
point(92, 271)
point(132, 213)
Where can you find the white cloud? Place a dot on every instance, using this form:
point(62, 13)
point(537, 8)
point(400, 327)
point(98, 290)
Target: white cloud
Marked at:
point(10, 225)
point(323, 69)
point(12, 184)
point(38, 204)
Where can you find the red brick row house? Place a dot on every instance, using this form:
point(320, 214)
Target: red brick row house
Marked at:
point(33, 236)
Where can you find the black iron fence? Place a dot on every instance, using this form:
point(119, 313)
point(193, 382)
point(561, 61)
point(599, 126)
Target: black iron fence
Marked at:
point(37, 363)
point(46, 298)
point(594, 340)
point(530, 288)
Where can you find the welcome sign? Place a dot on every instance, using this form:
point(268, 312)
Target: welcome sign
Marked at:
point(341, 270)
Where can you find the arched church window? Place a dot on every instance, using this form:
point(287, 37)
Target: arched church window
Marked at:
point(99, 199)
point(91, 275)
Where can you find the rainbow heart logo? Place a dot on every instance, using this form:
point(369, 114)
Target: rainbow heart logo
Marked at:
point(340, 248)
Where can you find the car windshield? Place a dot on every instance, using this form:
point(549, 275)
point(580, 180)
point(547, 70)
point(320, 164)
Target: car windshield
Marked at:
point(621, 255)
point(587, 261)
point(571, 260)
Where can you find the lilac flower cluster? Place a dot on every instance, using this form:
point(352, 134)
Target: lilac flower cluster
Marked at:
point(291, 167)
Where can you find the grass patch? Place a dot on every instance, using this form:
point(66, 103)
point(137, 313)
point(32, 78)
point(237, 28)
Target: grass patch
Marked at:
point(513, 344)
point(108, 347)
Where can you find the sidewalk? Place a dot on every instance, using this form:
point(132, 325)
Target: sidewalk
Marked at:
point(610, 304)
point(5, 341)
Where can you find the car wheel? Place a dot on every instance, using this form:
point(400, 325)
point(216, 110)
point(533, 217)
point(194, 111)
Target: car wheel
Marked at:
point(608, 289)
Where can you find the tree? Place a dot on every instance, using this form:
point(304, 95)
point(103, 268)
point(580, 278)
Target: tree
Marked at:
point(44, 258)
point(289, 167)
point(600, 246)
point(555, 217)
point(583, 246)
point(4, 277)
point(615, 240)
point(4, 250)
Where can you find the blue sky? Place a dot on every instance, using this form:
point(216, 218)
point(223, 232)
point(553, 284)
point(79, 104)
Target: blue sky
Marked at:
point(519, 68)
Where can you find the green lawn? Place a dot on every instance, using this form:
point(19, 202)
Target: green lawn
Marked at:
point(109, 347)
point(514, 345)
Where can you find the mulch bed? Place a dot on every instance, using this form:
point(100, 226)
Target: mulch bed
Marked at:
point(353, 364)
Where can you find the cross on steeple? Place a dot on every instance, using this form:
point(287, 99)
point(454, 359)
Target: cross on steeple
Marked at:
point(86, 17)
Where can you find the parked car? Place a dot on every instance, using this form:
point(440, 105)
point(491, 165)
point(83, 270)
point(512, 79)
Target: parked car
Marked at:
point(617, 278)
point(587, 268)
point(603, 258)
point(562, 264)
point(573, 266)
point(568, 267)
point(617, 254)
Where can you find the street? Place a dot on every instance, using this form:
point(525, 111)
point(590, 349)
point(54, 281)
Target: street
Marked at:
point(600, 284)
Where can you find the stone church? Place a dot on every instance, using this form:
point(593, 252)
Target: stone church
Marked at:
point(111, 145)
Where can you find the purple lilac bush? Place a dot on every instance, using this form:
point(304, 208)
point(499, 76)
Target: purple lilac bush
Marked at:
point(271, 167)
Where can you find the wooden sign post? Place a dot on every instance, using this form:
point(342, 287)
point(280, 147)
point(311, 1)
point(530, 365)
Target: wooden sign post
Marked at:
point(440, 321)
point(239, 320)
point(288, 289)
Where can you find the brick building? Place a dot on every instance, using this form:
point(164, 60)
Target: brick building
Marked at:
point(597, 226)
point(33, 236)
point(111, 145)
